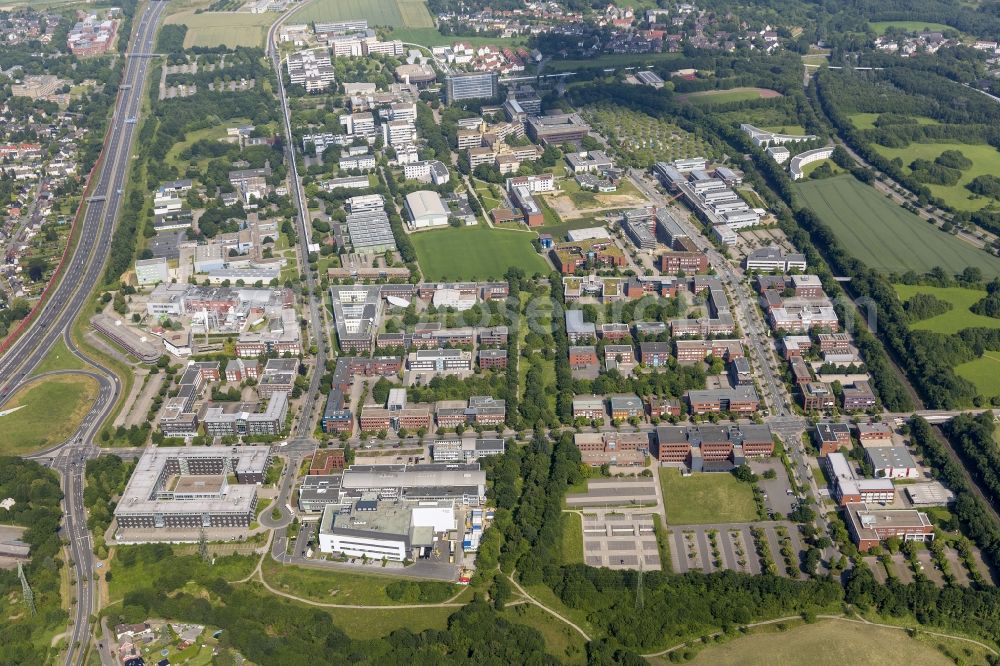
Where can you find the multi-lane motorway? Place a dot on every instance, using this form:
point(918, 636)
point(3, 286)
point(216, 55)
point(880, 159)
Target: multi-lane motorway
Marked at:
point(66, 298)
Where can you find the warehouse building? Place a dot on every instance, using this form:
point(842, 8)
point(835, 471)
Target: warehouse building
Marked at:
point(464, 483)
point(424, 209)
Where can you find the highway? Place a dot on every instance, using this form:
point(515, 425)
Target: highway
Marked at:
point(65, 299)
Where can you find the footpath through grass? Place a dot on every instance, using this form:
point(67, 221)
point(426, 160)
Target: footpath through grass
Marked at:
point(706, 498)
point(475, 253)
point(342, 587)
point(885, 236)
point(47, 412)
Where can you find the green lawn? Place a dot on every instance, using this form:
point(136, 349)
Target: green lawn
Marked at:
point(706, 498)
point(829, 643)
point(911, 26)
point(33, 427)
point(730, 95)
point(59, 358)
point(985, 160)
point(984, 372)
point(791, 128)
point(410, 13)
point(561, 640)
point(140, 574)
point(329, 586)
point(572, 538)
point(214, 133)
point(475, 253)
point(867, 120)
point(229, 29)
point(885, 236)
point(958, 317)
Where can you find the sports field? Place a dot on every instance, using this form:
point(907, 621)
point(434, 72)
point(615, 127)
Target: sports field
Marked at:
point(395, 13)
point(229, 29)
point(958, 317)
point(985, 160)
point(706, 498)
point(32, 427)
point(885, 236)
point(730, 95)
point(825, 643)
point(474, 253)
point(984, 372)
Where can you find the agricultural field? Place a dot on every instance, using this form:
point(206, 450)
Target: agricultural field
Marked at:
point(726, 96)
point(910, 26)
point(475, 253)
point(958, 317)
point(640, 140)
point(31, 427)
point(863, 121)
point(229, 29)
point(885, 236)
point(985, 160)
point(409, 13)
point(706, 498)
point(826, 643)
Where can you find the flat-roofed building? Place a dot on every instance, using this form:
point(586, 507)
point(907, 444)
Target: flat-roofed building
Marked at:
point(440, 361)
point(612, 448)
point(317, 491)
point(470, 85)
point(830, 437)
point(892, 462)
point(557, 129)
point(394, 531)
point(465, 450)
point(464, 483)
point(874, 434)
point(847, 488)
point(188, 488)
point(869, 527)
point(738, 400)
point(589, 407)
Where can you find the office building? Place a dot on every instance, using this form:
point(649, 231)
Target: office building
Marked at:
point(317, 491)
point(870, 527)
point(189, 488)
point(393, 531)
point(457, 450)
point(470, 85)
point(464, 483)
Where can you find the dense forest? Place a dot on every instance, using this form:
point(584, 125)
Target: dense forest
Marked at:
point(36, 494)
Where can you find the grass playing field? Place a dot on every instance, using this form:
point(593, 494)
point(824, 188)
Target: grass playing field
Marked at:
point(985, 160)
point(33, 427)
point(730, 95)
point(229, 29)
point(705, 498)
point(827, 643)
point(474, 253)
point(885, 236)
point(958, 317)
point(395, 13)
point(984, 372)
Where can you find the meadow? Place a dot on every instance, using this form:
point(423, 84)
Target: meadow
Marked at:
point(475, 253)
point(984, 372)
point(229, 29)
point(32, 427)
point(883, 235)
point(726, 96)
point(985, 160)
point(826, 643)
point(910, 26)
point(394, 13)
point(867, 120)
point(706, 498)
point(958, 317)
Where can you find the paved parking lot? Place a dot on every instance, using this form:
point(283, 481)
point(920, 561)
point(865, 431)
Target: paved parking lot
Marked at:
point(777, 489)
point(729, 546)
point(900, 567)
point(616, 492)
point(620, 541)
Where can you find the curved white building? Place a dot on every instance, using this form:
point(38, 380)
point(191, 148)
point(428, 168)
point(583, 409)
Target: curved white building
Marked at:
point(808, 157)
